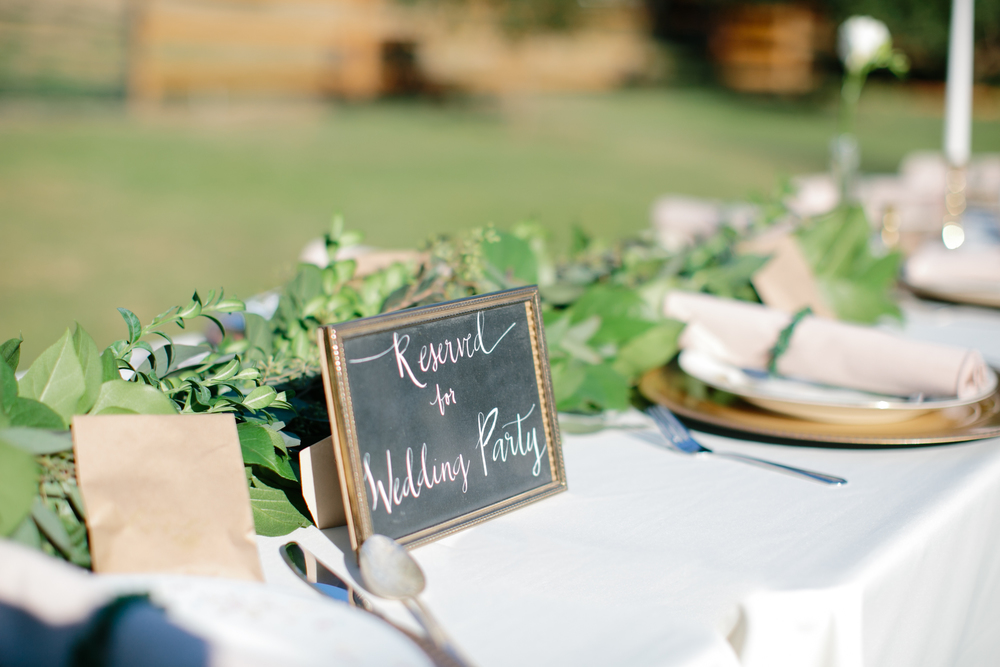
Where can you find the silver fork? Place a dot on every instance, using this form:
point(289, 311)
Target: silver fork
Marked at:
point(681, 439)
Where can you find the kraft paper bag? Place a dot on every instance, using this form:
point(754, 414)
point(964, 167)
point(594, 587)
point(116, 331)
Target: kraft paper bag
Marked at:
point(166, 494)
point(786, 282)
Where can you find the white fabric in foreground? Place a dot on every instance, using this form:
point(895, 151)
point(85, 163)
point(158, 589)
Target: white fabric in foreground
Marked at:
point(826, 351)
point(52, 590)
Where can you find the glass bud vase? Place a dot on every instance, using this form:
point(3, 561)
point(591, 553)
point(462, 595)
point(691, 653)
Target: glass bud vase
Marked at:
point(845, 159)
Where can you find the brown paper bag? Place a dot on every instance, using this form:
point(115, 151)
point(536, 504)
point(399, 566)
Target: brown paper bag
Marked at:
point(166, 493)
point(786, 282)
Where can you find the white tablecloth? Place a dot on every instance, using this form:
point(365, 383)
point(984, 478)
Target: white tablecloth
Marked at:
point(647, 559)
point(656, 558)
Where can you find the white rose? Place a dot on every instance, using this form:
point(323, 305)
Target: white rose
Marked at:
point(859, 41)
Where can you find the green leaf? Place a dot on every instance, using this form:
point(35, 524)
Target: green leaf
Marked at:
point(620, 330)
point(567, 376)
point(113, 410)
point(273, 514)
point(92, 366)
point(170, 357)
point(75, 499)
point(581, 332)
point(259, 334)
point(33, 414)
point(134, 326)
point(343, 270)
point(306, 285)
point(512, 260)
point(143, 345)
point(602, 388)
point(56, 378)
point(8, 388)
point(193, 309)
point(850, 244)
point(881, 273)
point(857, 302)
point(574, 340)
point(651, 349)
point(229, 306)
point(260, 398)
point(351, 238)
point(580, 240)
point(850, 277)
point(260, 446)
point(18, 486)
point(726, 280)
point(581, 351)
point(561, 294)
point(27, 534)
point(36, 441)
point(109, 366)
point(51, 527)
point(608, 301)
point(556, 325)
point(247, 374)
point(216, 322)
point(227, 371)
point(117, 395)
point(315, 305)
point(10, 352)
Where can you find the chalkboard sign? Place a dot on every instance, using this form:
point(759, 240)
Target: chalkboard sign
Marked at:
point(442, 416)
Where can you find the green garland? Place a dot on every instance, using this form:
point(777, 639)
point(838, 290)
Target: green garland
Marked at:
point(603, 325)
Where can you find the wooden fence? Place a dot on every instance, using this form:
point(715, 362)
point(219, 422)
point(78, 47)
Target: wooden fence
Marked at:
point(63, 45)
point(354, 49)
point(766, 48)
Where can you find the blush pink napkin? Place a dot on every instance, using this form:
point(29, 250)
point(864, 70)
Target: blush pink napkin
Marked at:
point(936, 266)
point(826, 351)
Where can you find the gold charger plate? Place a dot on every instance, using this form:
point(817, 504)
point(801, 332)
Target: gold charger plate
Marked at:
point(667, 386)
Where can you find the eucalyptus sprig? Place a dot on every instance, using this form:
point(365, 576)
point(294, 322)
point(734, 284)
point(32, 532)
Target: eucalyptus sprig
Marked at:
point(179, 316)
point(284, 347)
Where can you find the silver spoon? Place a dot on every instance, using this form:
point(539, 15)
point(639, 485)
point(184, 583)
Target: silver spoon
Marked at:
point(389, 571)
point(328, 583)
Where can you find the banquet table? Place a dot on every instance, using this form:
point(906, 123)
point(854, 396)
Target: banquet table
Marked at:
point(657, 558)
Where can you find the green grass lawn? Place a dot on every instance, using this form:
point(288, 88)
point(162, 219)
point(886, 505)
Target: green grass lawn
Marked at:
point(99, 209)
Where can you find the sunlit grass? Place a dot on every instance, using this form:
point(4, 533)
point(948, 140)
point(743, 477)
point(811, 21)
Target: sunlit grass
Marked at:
point(102, 209)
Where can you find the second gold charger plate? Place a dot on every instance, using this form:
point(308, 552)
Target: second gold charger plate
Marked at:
point(668, 386)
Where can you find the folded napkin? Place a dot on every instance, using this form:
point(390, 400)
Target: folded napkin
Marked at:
point(826, 351)
point(936, 266)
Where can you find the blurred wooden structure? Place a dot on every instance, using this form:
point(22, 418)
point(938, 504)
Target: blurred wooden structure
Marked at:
point(766, 48)
point(64, 46)
point(361, 49)
point(275, 47)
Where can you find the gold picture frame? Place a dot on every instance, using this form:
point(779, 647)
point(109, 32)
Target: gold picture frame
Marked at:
point(367, 404)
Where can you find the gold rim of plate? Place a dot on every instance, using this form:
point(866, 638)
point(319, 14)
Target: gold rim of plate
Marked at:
point(979, 421)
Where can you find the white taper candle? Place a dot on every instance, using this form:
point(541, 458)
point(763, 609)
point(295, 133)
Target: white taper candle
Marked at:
point(958, 91)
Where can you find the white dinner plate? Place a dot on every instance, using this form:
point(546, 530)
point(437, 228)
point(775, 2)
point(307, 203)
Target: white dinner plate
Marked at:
point(815, 402)
point(251, 624)
point(979, 294)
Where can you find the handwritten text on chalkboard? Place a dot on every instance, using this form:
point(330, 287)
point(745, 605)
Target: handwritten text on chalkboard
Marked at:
point(449, 412)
